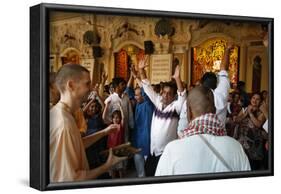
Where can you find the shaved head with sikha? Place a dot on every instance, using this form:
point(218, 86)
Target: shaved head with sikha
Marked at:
point(200, 100)
point(74, 84)
point(67, 72)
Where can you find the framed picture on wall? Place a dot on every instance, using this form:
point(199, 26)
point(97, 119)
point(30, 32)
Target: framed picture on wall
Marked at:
point(108, 106)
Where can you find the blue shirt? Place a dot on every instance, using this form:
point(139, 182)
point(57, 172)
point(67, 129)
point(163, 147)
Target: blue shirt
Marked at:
point(94, 124)
point(143, 117)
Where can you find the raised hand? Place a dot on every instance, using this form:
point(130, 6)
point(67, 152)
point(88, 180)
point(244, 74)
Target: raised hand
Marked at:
point(96, 88)
point(143, 63)
point(133, 71)
point(93, 94)
point(86, 106)
point(104, 77)
point(176, 73)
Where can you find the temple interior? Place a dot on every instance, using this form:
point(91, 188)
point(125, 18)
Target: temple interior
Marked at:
point(112, 43)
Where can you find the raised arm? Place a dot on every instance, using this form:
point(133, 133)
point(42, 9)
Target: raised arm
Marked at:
point(105, 113)
point(130, 83)
point(101, 86)
point(223, 80)
point(122, 114)
point(134, 73)
point(153, 96)
point(142, 65)
point(181, 91)
point(225, 59)
point(177, 78)
point(85, 108)
point(100, 101)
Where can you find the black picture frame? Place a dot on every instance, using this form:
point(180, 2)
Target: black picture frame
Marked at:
point(39, 96)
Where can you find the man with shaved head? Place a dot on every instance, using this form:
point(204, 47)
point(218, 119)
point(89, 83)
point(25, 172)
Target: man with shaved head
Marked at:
point(68, 161)
point(204, 146)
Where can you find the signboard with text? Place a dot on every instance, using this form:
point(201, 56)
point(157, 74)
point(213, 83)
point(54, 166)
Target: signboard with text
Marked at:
point(161, 68)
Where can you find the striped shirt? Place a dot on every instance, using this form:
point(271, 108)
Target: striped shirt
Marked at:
point(164, 121)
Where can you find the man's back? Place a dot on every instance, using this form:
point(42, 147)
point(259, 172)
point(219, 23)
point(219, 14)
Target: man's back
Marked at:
point(191, 155)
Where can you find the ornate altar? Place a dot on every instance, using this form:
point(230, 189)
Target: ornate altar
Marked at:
point(207, 58)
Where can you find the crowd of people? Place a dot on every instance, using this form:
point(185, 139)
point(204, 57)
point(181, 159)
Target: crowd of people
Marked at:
point(178, 130)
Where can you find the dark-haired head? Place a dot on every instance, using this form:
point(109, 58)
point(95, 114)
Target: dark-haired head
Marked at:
point(106, 89)
point(256, 99)
point(209, 80)
point(241, 85)
point(169, 92)
point(94, 108)
point(118, 84)
point(116, 117)
point(156, 88)
point(235, 97)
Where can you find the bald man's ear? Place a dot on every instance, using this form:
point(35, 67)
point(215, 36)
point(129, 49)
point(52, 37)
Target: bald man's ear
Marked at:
point(70, 85)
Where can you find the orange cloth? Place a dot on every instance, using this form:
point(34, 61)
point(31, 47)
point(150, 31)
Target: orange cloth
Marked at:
point(80, 121)
point(68, 161)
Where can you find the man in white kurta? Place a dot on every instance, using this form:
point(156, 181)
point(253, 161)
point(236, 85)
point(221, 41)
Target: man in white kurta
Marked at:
point(191, 154)
point(165, 118)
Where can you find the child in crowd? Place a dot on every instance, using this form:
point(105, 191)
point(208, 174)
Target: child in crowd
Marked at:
point(117, 138)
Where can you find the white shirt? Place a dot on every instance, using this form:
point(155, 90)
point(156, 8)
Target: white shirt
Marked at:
point(183, 122)
point(221, 95)
point(164, 122)
point(114, 100)
point(191, 155)
point(220, 99)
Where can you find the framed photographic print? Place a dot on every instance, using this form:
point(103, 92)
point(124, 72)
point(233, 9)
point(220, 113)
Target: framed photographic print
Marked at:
point(126, 96)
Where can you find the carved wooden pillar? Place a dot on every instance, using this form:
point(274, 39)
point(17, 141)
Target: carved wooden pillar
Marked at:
point(243, 62)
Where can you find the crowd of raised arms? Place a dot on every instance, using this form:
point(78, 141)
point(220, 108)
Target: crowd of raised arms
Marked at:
point(171, 124)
